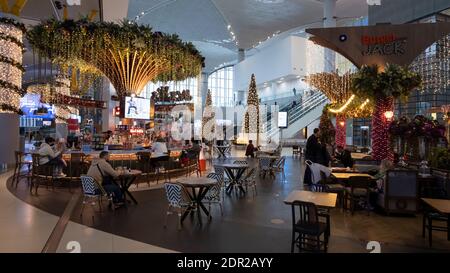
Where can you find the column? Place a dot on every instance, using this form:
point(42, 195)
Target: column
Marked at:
point(9, 139)
point(329, 20)
point(107, 113)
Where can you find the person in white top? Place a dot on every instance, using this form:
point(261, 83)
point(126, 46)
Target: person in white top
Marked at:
point(50, 156)
point(159, 148)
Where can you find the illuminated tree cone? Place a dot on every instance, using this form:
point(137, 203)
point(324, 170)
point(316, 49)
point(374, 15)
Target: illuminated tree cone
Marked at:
point(208, 120)
point(380, 134)
point(252, 123)
point(340, 137)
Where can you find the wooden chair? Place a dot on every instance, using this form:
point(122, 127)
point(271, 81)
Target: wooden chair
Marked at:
point(429, 215)
point(40, 173)
point(358, 191)
point(20, 163)
point(308, 227)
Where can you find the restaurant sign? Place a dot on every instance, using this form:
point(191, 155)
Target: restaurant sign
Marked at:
point(380, 44)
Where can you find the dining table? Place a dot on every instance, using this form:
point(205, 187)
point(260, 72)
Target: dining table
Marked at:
point(443, 207)
point(222, 150)
point(126, 179)
point(198, 186)
point(360, 156)
point(320, 199)
point(234, 172)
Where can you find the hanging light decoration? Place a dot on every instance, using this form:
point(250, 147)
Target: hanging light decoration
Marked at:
point(11, 69)
point(129, 55)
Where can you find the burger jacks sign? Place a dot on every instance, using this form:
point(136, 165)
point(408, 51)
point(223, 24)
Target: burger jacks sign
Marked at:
point(388, 44)
point(380, 44)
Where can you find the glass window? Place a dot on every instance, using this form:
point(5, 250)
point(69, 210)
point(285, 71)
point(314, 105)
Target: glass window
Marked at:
point(220, 83)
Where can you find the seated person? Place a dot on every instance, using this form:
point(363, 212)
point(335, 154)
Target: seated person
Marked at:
point(51, 157)
point(344, 156)
point(381, 175)
point(159, 148)
point(250, 150)
point(104, 174)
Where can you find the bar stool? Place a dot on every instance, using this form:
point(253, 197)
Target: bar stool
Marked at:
point(20, 163)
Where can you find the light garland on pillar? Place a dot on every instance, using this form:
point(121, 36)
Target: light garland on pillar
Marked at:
point(11, 51)
point(252, 122)
point(208, 115)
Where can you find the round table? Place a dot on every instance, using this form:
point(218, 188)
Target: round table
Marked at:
point(222, 150)
point(126, 179)
point(202, 184)
point(234, 172)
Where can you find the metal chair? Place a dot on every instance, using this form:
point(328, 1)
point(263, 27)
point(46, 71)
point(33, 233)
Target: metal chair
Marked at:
point(296, 150)
point(278, 167)
point(264, 166)
point(92, 190)
point(178, 199)
point(250, 181)
point(215, 193)
point(308, 227)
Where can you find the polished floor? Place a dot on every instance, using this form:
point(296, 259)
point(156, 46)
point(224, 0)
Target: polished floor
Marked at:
point(260, 223)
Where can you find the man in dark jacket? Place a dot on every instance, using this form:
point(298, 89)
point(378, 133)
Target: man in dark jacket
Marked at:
point(312, 153)
point(344, 156)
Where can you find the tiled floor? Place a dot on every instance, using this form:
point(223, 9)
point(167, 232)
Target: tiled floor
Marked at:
point(250, 223)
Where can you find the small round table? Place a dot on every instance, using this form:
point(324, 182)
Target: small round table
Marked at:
point(234, 172)
point(202, 184)
point(126, 179)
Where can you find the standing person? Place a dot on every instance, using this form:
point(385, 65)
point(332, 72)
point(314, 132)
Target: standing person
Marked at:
point(295, 91)
point(104, 174)
point(312, 153)
point(250, 150)
point(52, 156)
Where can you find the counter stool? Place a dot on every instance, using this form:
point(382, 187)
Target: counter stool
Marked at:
point(20, 163)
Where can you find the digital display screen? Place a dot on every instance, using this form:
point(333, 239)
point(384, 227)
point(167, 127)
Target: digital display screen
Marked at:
point(282, 119)
point(137, 108)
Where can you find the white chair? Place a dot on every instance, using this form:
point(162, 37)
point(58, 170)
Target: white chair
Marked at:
point(250, 181)
point(214, 194)
point(278, 167)
point(178, 199)
point(93, 191)
point(264, 165)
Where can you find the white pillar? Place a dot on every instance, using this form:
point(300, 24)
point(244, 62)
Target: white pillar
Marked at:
point(329, 14)
point(9, 138)
point(107, 113)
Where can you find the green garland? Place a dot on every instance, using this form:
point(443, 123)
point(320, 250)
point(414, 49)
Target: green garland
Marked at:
point(7, 107)
point(11, 62)
point(9, 21)
point(12, 39)
point(395, 81)
point(13, 87)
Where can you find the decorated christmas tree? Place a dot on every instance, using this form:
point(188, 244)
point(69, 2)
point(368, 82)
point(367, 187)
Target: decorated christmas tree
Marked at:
point(208, 115)
point(251, 124)
point(327, 130)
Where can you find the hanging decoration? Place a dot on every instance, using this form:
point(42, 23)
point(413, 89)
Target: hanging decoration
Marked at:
point(381, 88)
point(129, 55)
point(208, 115)
point(162, 95)
point(11, 69)
point(252, 122)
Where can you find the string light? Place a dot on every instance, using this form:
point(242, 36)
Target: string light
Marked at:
point(252, 122)
point(343, 107)
point(11, 52)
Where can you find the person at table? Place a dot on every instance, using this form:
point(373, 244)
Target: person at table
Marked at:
point(380, 179)
point(102, 171)
point(52, 155)
point(250, 150)
point(323, 157)
point(344, 156)
point(159, 148)
point(312, 153)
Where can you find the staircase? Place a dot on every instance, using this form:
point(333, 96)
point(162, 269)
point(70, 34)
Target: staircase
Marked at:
point(299, 116)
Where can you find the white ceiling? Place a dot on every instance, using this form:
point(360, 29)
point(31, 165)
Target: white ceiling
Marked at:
point(206, 21)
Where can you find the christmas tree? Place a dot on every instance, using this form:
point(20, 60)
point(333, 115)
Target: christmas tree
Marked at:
point(327, 131)
point(252, 113)
point(208, 115)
